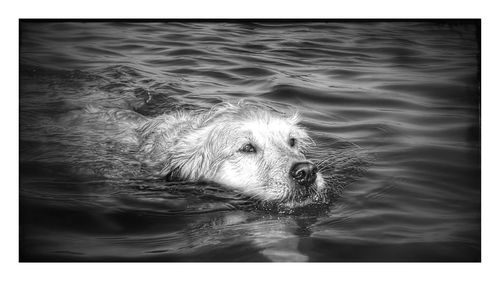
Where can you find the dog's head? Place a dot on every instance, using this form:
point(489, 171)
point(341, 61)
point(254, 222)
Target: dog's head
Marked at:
point(252, 148)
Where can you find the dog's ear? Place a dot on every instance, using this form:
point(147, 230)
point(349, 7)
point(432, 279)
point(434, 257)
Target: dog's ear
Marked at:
point(194, 157)
point(186, 161)
point(293, 117)
point(180, 146)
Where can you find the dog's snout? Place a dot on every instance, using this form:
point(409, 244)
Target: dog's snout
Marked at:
point(304, 173)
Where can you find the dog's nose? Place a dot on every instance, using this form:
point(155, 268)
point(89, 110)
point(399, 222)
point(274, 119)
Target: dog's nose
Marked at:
point(304, 173)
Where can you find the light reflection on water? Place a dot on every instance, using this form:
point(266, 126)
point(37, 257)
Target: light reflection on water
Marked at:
point(402, 96)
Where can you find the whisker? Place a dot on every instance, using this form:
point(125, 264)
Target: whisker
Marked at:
point(327, 158)
point(327, 169)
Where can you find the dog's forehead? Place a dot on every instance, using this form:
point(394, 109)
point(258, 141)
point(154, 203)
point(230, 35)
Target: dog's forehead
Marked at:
point(269, 129)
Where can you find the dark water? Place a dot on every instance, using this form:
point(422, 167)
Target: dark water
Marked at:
point(397, 102)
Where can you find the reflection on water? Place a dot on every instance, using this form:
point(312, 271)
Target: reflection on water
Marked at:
point(396, 103)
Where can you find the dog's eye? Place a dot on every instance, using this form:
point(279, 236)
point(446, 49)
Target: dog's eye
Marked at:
point(292, 142)
point(249, 148)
